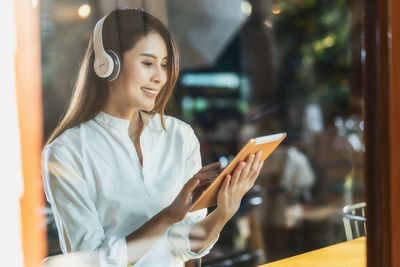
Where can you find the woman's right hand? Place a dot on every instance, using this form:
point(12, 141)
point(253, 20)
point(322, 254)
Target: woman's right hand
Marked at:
point(235, 186)
point(180, 206)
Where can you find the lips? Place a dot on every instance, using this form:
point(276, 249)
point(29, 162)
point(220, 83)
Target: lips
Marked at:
point(150, 92)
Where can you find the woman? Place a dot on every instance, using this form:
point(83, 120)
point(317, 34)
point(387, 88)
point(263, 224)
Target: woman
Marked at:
point(118, 173)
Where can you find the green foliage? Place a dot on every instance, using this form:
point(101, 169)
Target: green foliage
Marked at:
point(313, 40)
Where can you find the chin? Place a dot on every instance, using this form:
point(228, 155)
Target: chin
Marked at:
point(148, 108)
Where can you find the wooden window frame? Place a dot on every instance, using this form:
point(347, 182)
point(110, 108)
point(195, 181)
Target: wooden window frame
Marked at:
point(381, 85)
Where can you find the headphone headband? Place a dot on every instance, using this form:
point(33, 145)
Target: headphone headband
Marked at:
point(106, 65)
point(98, 37)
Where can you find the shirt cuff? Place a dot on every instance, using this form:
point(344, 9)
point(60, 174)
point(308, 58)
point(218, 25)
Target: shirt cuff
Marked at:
point(178, 237)
point(193, 255)
point(113, 252)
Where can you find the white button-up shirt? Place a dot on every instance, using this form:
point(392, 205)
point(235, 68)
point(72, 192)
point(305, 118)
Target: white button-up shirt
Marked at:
point(100, 193)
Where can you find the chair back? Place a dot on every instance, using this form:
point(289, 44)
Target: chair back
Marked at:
point(354, 220)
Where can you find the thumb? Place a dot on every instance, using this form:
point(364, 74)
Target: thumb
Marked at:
point(190, 186)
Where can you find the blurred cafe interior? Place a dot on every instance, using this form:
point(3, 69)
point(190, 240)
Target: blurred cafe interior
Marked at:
point(325, 72)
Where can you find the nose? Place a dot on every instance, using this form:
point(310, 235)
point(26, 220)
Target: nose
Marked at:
point(159, 76)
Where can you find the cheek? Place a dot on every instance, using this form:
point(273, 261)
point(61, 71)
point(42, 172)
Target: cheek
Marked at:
point(165, 77)
point(134, 71)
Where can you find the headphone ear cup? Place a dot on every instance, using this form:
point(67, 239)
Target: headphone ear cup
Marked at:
point(117, 65)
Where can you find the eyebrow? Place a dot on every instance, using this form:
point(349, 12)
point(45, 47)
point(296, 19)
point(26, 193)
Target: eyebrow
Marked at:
point(150, 55)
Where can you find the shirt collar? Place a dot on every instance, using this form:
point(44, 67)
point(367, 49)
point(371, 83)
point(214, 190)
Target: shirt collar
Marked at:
point(151, 120)
point(112, 121)
point(123, 124)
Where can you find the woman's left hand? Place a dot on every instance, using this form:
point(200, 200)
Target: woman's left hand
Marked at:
point(177, 210)
point(235, 186)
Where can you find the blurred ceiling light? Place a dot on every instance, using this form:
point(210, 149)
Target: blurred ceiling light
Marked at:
point(245, 6)
point(84, 11)
point(35, 3)
point(276, 9)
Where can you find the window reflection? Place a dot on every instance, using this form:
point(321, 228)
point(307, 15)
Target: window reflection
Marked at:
point(251, 68)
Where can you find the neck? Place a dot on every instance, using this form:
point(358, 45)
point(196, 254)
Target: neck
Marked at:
point(119, 111)
point(136, 126)
point(132, 114)
point(116, 105)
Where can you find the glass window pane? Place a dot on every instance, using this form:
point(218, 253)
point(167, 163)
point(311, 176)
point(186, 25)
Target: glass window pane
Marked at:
point(248, 69)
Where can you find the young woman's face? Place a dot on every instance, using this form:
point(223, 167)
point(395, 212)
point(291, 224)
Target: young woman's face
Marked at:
point(144, 72)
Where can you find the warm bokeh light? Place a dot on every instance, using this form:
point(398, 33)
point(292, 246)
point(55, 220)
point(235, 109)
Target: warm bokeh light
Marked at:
point(84, 11)
point(246, 8)
point(276, 9)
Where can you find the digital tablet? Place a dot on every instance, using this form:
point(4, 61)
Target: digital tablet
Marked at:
point(266, 144)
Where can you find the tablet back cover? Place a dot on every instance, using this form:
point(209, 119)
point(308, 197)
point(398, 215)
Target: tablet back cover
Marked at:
point(266, 144)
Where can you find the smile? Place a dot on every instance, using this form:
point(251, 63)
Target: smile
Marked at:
point(150, 92)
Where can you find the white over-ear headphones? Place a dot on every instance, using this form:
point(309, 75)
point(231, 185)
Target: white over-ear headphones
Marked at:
point(106, 64)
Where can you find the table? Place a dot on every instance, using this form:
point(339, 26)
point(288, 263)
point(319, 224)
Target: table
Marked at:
point(347, 254)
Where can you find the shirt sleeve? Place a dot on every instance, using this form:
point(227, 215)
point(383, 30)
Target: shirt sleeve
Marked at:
point(178, 234)
point(75, 214)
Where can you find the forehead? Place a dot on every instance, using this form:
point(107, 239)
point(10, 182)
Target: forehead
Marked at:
point(153, 44)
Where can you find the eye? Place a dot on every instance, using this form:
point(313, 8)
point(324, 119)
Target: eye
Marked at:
point(164, 66)
point(147, 63)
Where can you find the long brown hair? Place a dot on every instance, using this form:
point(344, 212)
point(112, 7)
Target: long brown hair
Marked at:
point(122, 29)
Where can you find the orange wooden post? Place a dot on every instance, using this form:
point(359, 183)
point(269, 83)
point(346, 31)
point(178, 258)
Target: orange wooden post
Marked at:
point(29, 102)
